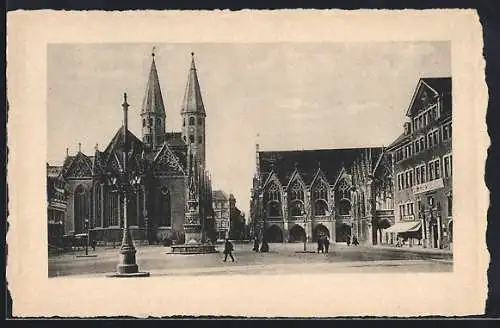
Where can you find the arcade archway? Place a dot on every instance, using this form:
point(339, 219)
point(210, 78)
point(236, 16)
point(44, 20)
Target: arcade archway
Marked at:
point(320, 230)
point(273, 234)
point(297, 234)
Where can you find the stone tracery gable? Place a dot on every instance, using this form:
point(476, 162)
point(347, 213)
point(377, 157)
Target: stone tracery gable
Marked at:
point(167, 162)
point(79, 168)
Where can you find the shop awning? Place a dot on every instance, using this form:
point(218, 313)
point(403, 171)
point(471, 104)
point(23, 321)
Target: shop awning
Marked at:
point(404, 227)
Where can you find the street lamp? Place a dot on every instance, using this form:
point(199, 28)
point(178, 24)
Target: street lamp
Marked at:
point(87, 239)
point(126, 183)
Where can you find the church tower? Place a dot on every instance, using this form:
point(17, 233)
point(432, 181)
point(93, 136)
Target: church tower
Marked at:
point(193, 116)
point(153, 111)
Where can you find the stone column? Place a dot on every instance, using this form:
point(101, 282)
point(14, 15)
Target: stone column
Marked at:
point(284, 212)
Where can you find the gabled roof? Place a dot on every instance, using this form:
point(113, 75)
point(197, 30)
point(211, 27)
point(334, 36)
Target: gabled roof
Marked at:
point(80, 164)
point(435, 85)
point(399, 140)
point(112, 156)
point(54, 171)
point(219, 195)
point(308, 161)
point(153, 99)
point(193, 102)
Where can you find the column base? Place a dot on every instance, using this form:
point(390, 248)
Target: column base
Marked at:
point(128, 275)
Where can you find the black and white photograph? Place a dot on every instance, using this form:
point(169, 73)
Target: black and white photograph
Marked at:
point(150, 153)
point(192, 166)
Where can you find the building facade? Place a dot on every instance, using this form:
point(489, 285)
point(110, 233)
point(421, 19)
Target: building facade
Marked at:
point(422, 161)
point(299, 195)
point(164, 163)
point(56, 205)
point(237, 226)
point(221, 208)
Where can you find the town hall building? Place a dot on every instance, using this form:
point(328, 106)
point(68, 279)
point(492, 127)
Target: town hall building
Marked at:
point(164, 163)
point(340, 193)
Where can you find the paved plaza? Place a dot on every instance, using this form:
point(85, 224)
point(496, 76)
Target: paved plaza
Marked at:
point(282, 259)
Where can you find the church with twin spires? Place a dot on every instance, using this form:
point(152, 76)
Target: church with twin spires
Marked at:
point(171, 166)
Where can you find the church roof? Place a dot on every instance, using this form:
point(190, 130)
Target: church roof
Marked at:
point(54, 171)
point(193, 103)
point(153, 99)
point(307, 162)
point(175, 139)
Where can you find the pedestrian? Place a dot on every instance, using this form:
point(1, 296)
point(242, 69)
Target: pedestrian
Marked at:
point(228, 250)
point(94, 244)
point(348, 240)
point(327, 243)
point(255, 244)
point(355, 241)
point(320, 244)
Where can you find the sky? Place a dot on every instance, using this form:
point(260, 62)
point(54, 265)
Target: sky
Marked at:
point(283, 96)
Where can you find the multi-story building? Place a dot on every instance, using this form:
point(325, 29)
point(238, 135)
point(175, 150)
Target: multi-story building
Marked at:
point(56, 206)
point(303, 194)
point(422, 162)
point(221, 209)
point(236, 220)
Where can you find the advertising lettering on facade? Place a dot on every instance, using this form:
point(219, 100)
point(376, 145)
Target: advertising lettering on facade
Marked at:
point(428, 186)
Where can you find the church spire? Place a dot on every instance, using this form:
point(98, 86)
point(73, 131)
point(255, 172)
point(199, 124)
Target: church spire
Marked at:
point(153, 110)
point(153, 99)
point(193, 116)
point(193, 102)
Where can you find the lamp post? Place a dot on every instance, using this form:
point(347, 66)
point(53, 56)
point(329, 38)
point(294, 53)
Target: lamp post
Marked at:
point(126, 182)
point(87, 239)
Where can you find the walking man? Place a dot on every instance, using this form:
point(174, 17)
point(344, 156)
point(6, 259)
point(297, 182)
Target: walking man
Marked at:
point(255, 244)
point(228, 250)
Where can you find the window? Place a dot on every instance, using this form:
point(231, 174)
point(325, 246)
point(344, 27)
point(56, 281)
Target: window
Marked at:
point(320, 196)
point(272, 198)
point(401, 211)
point(417, 147)
point(447, 131)
point(191, 120)
point(420, 174)
point(143, 122)
point(447, 166)
point(450, 205)
point(150, 121)
point(422, 143)
point(200, 121)
point(434, 170)
point(158, 122)
point(401, 181)
point(191, 139)
point(184, 122)
point(429, 140)
point(163, 207)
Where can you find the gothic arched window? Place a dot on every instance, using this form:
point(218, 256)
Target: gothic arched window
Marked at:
point(191, 120)
point(344, 190)
point(143, 122)
point(296, 200)
point(344, 207)
point(320, 199)
point(81, 208)
point(191, 139)
point(273, 200)
point(158, 122)
point(97, 206)
point(163, 207)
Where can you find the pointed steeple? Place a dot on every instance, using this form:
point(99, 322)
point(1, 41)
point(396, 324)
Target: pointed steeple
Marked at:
point(153, 99)
point(153, 111)
point(193, 103)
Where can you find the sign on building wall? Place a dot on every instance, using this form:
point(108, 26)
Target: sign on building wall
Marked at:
point(428, 186)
